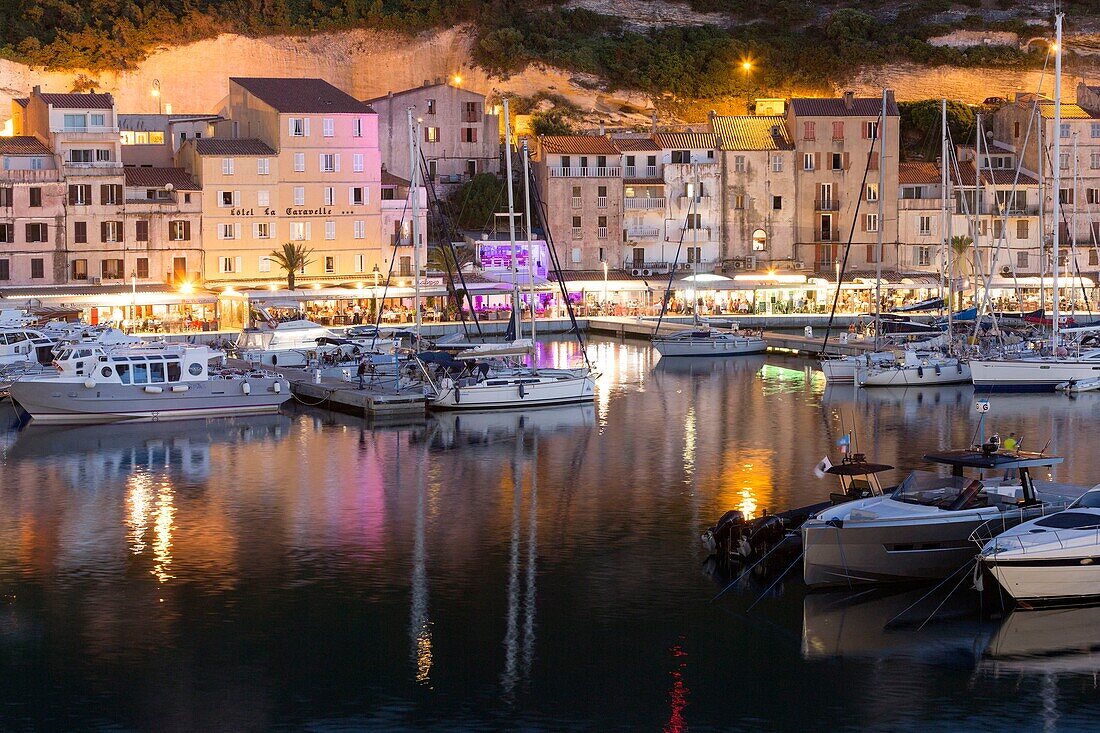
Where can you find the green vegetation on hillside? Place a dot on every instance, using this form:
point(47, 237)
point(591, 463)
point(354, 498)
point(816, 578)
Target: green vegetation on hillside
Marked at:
point(790, 43)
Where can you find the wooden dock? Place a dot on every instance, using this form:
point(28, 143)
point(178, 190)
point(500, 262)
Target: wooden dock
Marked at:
point(378, 400)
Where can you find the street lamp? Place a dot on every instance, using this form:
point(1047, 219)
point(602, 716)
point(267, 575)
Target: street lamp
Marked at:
point(133, 299)
point(156, 94)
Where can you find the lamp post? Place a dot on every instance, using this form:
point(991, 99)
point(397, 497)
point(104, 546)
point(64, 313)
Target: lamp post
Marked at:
point(133, 299)
point(156, 94)
point(746, 69)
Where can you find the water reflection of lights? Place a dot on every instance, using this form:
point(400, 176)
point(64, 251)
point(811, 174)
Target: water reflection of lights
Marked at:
point(678, 694)
point(139, 496)
point(689, 440)
point(424, 653)
point(747, 483)
point(780, 380)
point(162, 532)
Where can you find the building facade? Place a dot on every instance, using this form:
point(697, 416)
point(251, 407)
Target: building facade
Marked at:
point(460, 137)
point(32, 214)
point(837, 165)
point(154, 140)
point(581, 180)
point(304, 169)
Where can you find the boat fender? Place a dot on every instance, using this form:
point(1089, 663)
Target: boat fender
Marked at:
point(89, 383)
point(277, 387)
point(246, 388)
point(522, 391)
point(274, 360)
point(937, 370)
point(959, 368)
point(920, 372)
point(458, 394)
point(153, 390)
point(180, 388)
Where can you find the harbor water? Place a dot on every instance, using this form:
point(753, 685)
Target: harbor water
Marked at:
point(535, 571)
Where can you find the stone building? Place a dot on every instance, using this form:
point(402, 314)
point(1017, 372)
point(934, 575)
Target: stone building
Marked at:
point(154, 140)
point(836, 177)
point(32, 214)
point(692, 172)
point(460, 136)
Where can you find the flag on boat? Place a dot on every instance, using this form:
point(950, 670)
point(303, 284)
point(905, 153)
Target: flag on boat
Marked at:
point(844, 442)
point(823, 467)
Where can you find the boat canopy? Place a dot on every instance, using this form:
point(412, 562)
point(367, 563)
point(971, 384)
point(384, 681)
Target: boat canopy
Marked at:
point(858, 469)
point(974, 458)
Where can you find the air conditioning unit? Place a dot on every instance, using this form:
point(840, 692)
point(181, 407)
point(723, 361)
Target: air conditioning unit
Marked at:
point(647, 272)
point(750, 262)
point(739, 264)
point(1006, 271)
point(800, 265)
point(685, 265)
point(636, 271)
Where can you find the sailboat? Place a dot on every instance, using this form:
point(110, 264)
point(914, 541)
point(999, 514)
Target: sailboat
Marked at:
point(701, 339)
point(493, 376)
point(1059, 363)
point(914, 367)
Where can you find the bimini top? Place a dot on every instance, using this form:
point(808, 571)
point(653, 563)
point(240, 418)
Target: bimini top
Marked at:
point(858, 468)
point(977, 458)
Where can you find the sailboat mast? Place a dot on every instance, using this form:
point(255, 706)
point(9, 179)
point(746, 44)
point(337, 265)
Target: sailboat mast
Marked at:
point(695, 248)
point(530, 238)
point(414, 195)
point(945, 219)
point(1073, 234)
point(511, 216)
point(1056, 164)
point(881, 221)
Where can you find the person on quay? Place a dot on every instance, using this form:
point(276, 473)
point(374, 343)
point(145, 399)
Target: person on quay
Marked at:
point(361, 372)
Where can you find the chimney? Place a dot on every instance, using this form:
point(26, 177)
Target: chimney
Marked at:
point(602, 133)
point(775, 130)
point(654, 122)
point(427, 82)
point(890, 102)
point(36, 89)
point(849, 99)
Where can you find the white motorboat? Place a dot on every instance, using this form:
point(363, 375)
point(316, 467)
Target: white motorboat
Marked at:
point(1034, 374)
point(286, 344)
point(923, 530)
point(1052, 559)
point(20, 346)
point(708, 342)
point(97, 383)
point(914, 369)
point(1079, 385)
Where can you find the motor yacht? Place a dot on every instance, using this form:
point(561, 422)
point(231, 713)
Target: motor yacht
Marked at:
point(923, 529)
point(161, 381)
point(1051, 559)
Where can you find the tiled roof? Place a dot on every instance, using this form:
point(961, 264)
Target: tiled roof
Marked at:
point(74, 100)
point(635, 144)
point(22, 101)
point(687, 140)
point(232, 146)
point(305, 96)
point(918, 173)
point(752, 132)
point(836, 107)
point(23, 145)
point(146, 177)
point(421, 88)
point(389, 179)
point(613, 275)
point(577, 145)
point(1069, 111)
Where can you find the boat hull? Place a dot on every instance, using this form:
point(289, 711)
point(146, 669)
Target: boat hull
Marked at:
point(709, 347)
point(521, 392)
point(1029, 376)
point(55, 401)
point(884, 552)
point(913, 376)
point(1047, 580)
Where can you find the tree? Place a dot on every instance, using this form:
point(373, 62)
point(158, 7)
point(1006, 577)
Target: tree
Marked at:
point(921, 128)
point(960, 247)
point(292, 258)
point(551, 122)
point(478, 200)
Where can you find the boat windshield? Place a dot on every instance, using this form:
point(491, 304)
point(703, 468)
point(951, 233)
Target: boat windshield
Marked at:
point(1089, 500)
point(931, 489)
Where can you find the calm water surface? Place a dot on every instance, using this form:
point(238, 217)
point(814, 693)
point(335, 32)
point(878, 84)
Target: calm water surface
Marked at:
point(537, 571)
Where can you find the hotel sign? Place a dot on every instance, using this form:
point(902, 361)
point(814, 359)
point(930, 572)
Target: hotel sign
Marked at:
point(289, 211)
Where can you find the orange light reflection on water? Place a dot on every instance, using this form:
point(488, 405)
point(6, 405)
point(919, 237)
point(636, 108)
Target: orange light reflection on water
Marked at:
point(746, 482)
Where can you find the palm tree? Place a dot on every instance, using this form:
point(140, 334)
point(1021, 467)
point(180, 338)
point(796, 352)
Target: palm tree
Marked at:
point(293, 258)
point(960, 247)
point(452, 259)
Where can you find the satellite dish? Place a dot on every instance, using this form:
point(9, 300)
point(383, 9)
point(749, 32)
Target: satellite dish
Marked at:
point(169, 187)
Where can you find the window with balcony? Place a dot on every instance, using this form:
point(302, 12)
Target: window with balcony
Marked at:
point(576, 227)
point(104, 155)
point(575, 199)
point(81, 155)
point(227, 166)
point(80, 270)
point(925, 226)
point(112, 269)
point(601, 227)
point(328, 127)
point(75, 122)
point(37, 232)
point(694, 221)
point(601, 197)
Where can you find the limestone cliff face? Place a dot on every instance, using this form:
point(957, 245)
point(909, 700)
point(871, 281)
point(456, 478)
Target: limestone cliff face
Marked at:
point(366, 63)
